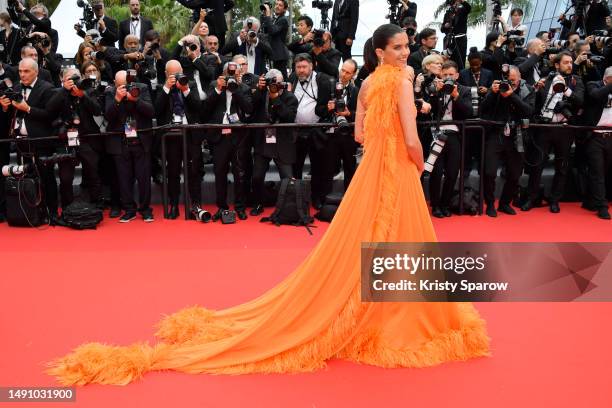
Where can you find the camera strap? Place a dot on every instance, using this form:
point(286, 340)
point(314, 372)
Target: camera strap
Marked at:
point(270, 133)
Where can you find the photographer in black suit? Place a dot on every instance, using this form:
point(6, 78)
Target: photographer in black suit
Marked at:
point(8, 74)
point(325, 57)
point(37, 17)
point(32, 120)
point(75, 109)
point(229, 101)
point(445, 105)
point(252, 45)
point(428, 39)
point(106, 26)
point(136, 24)
point(344, 25)
point(274, 104)
point(215, 18)
point(454, 26)
point(598, 112)
point(304, 42)
point(179, 103)
point(559, 96)
point(509, 101)
point(129, 111)
point(276, 28)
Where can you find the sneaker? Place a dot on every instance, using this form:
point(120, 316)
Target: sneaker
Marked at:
point(148, 217)
point(127, 217)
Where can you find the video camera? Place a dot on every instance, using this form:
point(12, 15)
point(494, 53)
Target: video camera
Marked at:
point(89, 18)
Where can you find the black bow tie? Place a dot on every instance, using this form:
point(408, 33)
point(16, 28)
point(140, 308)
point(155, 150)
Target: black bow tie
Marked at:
point(304, 83)
point(26, 86)
point(135, 18)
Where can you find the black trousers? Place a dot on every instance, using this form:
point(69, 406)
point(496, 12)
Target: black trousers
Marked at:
point(341, 46)
point(66, 177)
point(560, 142)
point(281, 65)
point(459, 51)
point(260, 167)
point(321, 165)
point(232, 149)
point(134, 164)
point(4, 160)
point(344, 147)
point(500, 148)
point(107, 172)
point(90, 160)
point(599, 154)
point(174, 160)
point(447, 164)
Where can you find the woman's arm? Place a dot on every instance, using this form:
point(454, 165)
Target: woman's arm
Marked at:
point(407, 112)
point(361, 112)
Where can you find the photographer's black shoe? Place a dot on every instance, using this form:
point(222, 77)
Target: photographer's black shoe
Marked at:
point(446, 212)
point(217, 215)
point(603, 214)
point(127, 217)
point(491, 211)
point(2, 218)
point(588, 207)
point(317, 205)
point(506, 209)
point(255, 211)
point(115, 212)
point(528, 205)
point(241, 215)
point(437, 212)
point(554, 208)
point(173, 213)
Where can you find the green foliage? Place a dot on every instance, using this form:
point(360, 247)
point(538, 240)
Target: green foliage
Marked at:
point(246, 8)
point(479, 8)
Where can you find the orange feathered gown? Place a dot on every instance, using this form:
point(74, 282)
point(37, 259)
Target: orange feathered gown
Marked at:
point(316, 313)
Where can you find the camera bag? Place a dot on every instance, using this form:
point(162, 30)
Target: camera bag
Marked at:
point(24, 206)
point(81, 215)
point(292, 205)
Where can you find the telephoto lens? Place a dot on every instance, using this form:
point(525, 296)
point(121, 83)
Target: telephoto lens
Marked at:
point(436, 149)
point(200, 214)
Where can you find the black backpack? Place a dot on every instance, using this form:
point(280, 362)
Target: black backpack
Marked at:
point(80, 215)
point(292, 205)
point(330, 206)
point(470, 201)
point(24, 207)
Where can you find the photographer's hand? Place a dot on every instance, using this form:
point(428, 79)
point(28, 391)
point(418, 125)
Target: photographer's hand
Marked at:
point(131, 98)
point(268, 12)
point(331, 106)
point(101, 25)
point(221, 84)
point(202, 14)
point(539, 84)
point(455, 93)
point(308, 37)
point(349, 42)
point(170, 81)
point(261, 84)
point(5, 102)
point(482, 90)
point(581, 58)
point(495, 87)
point(425, 108)
point(345, 113)
point(120, 93)
point(507, 93)
point(22, 106)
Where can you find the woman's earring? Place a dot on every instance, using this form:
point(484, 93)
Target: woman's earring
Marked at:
point(381, 61)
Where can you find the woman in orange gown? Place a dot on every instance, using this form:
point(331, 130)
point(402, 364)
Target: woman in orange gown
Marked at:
point(316, 313)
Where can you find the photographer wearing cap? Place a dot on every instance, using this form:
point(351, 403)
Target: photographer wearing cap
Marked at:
point(510, 101)
point(129, 112)
point(75, 106)
point(252, 45)
point(276, 25)
point(598, 149)
point(306, 35)
point(344, 21)
point(229, 101)
point(451, 101)
point(178, 102)
point(558, 99)
point(274, 104)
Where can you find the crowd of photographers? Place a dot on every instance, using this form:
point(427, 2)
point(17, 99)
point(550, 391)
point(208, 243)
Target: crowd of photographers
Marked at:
point(125, 81)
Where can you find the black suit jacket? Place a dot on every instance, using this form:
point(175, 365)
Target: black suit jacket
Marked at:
point(164, 105)
point(596, 101)
point(216, 19)
point(415, 60)
point(345, 19)
point(519, 105)
point(116, 114)
point(242, 104)
point(111, 34)
point(281, 110)
point(327, 62)
point(462, 107)
point(467, 79)
point(262, 51)
point(576, 99)
point(124, 30)
point(276, 29)
point(87, 107)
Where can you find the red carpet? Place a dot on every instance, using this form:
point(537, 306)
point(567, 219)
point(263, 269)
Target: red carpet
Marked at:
point(60, 288)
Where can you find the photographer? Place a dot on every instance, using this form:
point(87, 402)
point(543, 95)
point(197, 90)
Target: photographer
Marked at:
point(409, 10)
point(129, 111)
point(509, 101)
point(215, 15)
point(312, 90)
point(454, 25)
point(598, 149)
point(38, 17)
point(344, 26)
point(106, 26)
point(48, 59)
point(592, 16)
point(428, 39)
point(32, 120)
point(136, 25)
point(200, 68)
point(326, 58)
point(450, 102)
point(229, 101)
point(30, 52)
point(493, 55)
point(424, 94)
point(274, 104)
point(517, 27)
point(558, 99)
point(344, 106)
point(252, 45)
point(8, 75)
point(276, 28)
point(10, 38)
point(179, 103)
point(532, 67)
point(156, 58)
point(585, 64)
point(75, 106)
point(306, 35)
point(410, 25)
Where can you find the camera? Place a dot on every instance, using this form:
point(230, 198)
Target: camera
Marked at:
point(89, 18)
point(40, 41)
point(516, 37)
point(318, 40)
point(410, 31)
point(340, 106)
point(97, 55)
point(448, 85)
point(505, 84)
point(6, 89)
point(437, 145)
point(14, 170)
point(200, 214)
point(230, 81)
point(262, 7)
point(275, 87)
point(558, 85)
point(190, 46)
point(557, 44)
point(323, 4)
point(153, 47)
point(130, 79)
point(605, 40)
point(89, 82)
point(181, 78)
point(563, 107)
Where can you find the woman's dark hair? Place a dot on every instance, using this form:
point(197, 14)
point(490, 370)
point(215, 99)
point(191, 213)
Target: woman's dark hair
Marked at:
point(516, 10)
point(474, 54)
point(380, 39)
point(307, 20)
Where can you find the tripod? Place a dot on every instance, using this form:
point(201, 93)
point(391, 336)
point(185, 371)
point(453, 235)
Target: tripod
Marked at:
point(324, 19)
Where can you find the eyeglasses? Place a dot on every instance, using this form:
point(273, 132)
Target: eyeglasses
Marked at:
point(244, 64)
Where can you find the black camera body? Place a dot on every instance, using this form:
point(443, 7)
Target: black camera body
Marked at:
point(448, 85)
point(231, 83)
point(274, 86)
point(181, 78)
point(38, 41)
point(323, 4)
point(190, 46)
point(89, 18)
point(505, 84)
point(318, 40)
point(84, 83)
point(6, 89)
point(131, 78)
point(262, 7)
point(516, 37)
